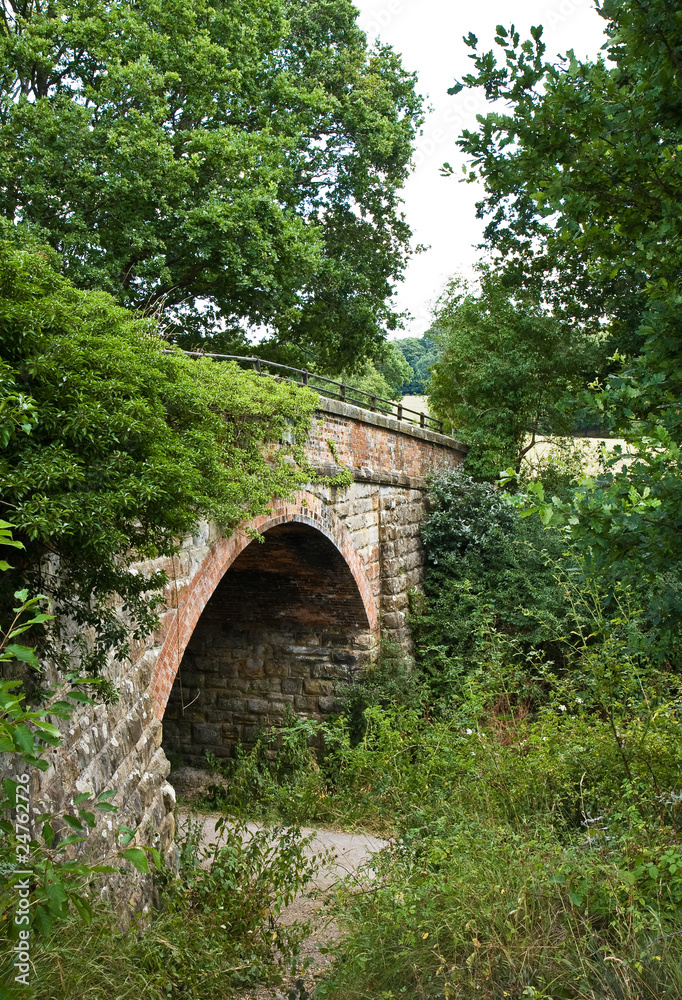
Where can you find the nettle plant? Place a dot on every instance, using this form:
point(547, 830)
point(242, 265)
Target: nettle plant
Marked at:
point(44, 844)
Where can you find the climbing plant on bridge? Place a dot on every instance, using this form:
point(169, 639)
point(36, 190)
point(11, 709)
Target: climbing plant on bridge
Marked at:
point(245, 155)
point(114, 449)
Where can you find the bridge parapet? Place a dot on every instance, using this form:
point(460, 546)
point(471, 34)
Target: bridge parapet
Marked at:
point(377, 447)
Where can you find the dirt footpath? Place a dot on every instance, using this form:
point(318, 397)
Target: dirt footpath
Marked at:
point(344, 853)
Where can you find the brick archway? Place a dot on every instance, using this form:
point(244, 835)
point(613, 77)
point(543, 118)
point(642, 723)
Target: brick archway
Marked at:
point(304, 508)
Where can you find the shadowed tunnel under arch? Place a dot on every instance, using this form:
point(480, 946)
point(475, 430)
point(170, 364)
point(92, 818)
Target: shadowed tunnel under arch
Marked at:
point(283, 626)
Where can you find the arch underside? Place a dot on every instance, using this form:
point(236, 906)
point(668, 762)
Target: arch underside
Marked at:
point(285, 623)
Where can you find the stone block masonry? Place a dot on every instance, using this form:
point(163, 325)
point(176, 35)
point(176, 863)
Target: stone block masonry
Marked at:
point(286, 620)
point(292, 617)
point(252, 631)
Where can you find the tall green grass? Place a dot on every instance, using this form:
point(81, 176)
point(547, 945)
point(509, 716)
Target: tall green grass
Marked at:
point(533, 853)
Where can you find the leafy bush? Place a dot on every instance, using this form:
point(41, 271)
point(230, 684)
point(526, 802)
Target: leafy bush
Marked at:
point(488, 570)
point(217, 928)
point(276, 778)
point(114, 447)
point(532, 855)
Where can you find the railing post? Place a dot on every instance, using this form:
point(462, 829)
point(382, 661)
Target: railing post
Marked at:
point(343, 391)
point(257, 360)
point(422, 421)
point(400, 411)
point(440, 426)
point(374, 403)
point(304, 373)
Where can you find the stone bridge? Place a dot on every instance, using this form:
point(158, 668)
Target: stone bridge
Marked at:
point(255, 629)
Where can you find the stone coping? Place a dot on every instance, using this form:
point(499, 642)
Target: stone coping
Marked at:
point(374, 419)
point(363, 475)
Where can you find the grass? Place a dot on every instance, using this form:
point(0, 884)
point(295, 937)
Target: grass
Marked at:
point(534, 854)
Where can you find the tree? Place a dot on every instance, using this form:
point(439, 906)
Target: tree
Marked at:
point(584, 200)
point(506, 368)
point(225, 164)
point(114, 448)
point(384, 376)
point(421, 353)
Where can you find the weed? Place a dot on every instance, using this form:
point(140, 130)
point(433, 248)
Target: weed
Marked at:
point(218, 927)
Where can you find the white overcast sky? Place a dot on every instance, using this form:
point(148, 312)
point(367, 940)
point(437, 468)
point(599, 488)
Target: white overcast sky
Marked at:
point(428, 35)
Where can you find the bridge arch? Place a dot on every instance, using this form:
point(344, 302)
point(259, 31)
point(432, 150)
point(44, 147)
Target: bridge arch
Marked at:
point(262, 626)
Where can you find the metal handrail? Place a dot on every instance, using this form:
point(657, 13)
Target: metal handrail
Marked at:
point(377, 404)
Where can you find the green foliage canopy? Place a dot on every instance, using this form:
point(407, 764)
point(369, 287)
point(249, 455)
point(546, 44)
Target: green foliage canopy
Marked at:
point(225, 163)
point(384, 376)
point(583, 178)
point(487, 569)
point(506, 368)
point(127, 446)
point(421, 353)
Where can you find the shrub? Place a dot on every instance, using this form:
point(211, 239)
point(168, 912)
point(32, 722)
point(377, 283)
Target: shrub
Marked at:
point(535, 846)
point(217, 928)
point(487, 570)
point(115, 447)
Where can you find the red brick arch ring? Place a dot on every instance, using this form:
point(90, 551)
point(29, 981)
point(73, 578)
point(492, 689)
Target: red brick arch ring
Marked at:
point(304, 508)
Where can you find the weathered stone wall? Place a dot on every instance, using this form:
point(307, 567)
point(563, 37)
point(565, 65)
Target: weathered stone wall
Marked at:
point(279, 632)
point(384, 448)
point(283, 624)
point(232, 684)
point(113, 747)
point(391, 516)
point(278, 648)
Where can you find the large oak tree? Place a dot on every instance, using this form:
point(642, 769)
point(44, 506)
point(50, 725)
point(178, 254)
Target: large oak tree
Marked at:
point(228, 164)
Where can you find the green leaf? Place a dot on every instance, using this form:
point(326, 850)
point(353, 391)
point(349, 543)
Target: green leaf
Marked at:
point(47, 729)
point(84, 908)
point(23, 738)
point(137, 858)
point(6, 739)
point(73, 822)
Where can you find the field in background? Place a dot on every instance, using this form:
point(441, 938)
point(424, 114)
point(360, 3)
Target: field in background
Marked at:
point(418, 403)
point(588, 449)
